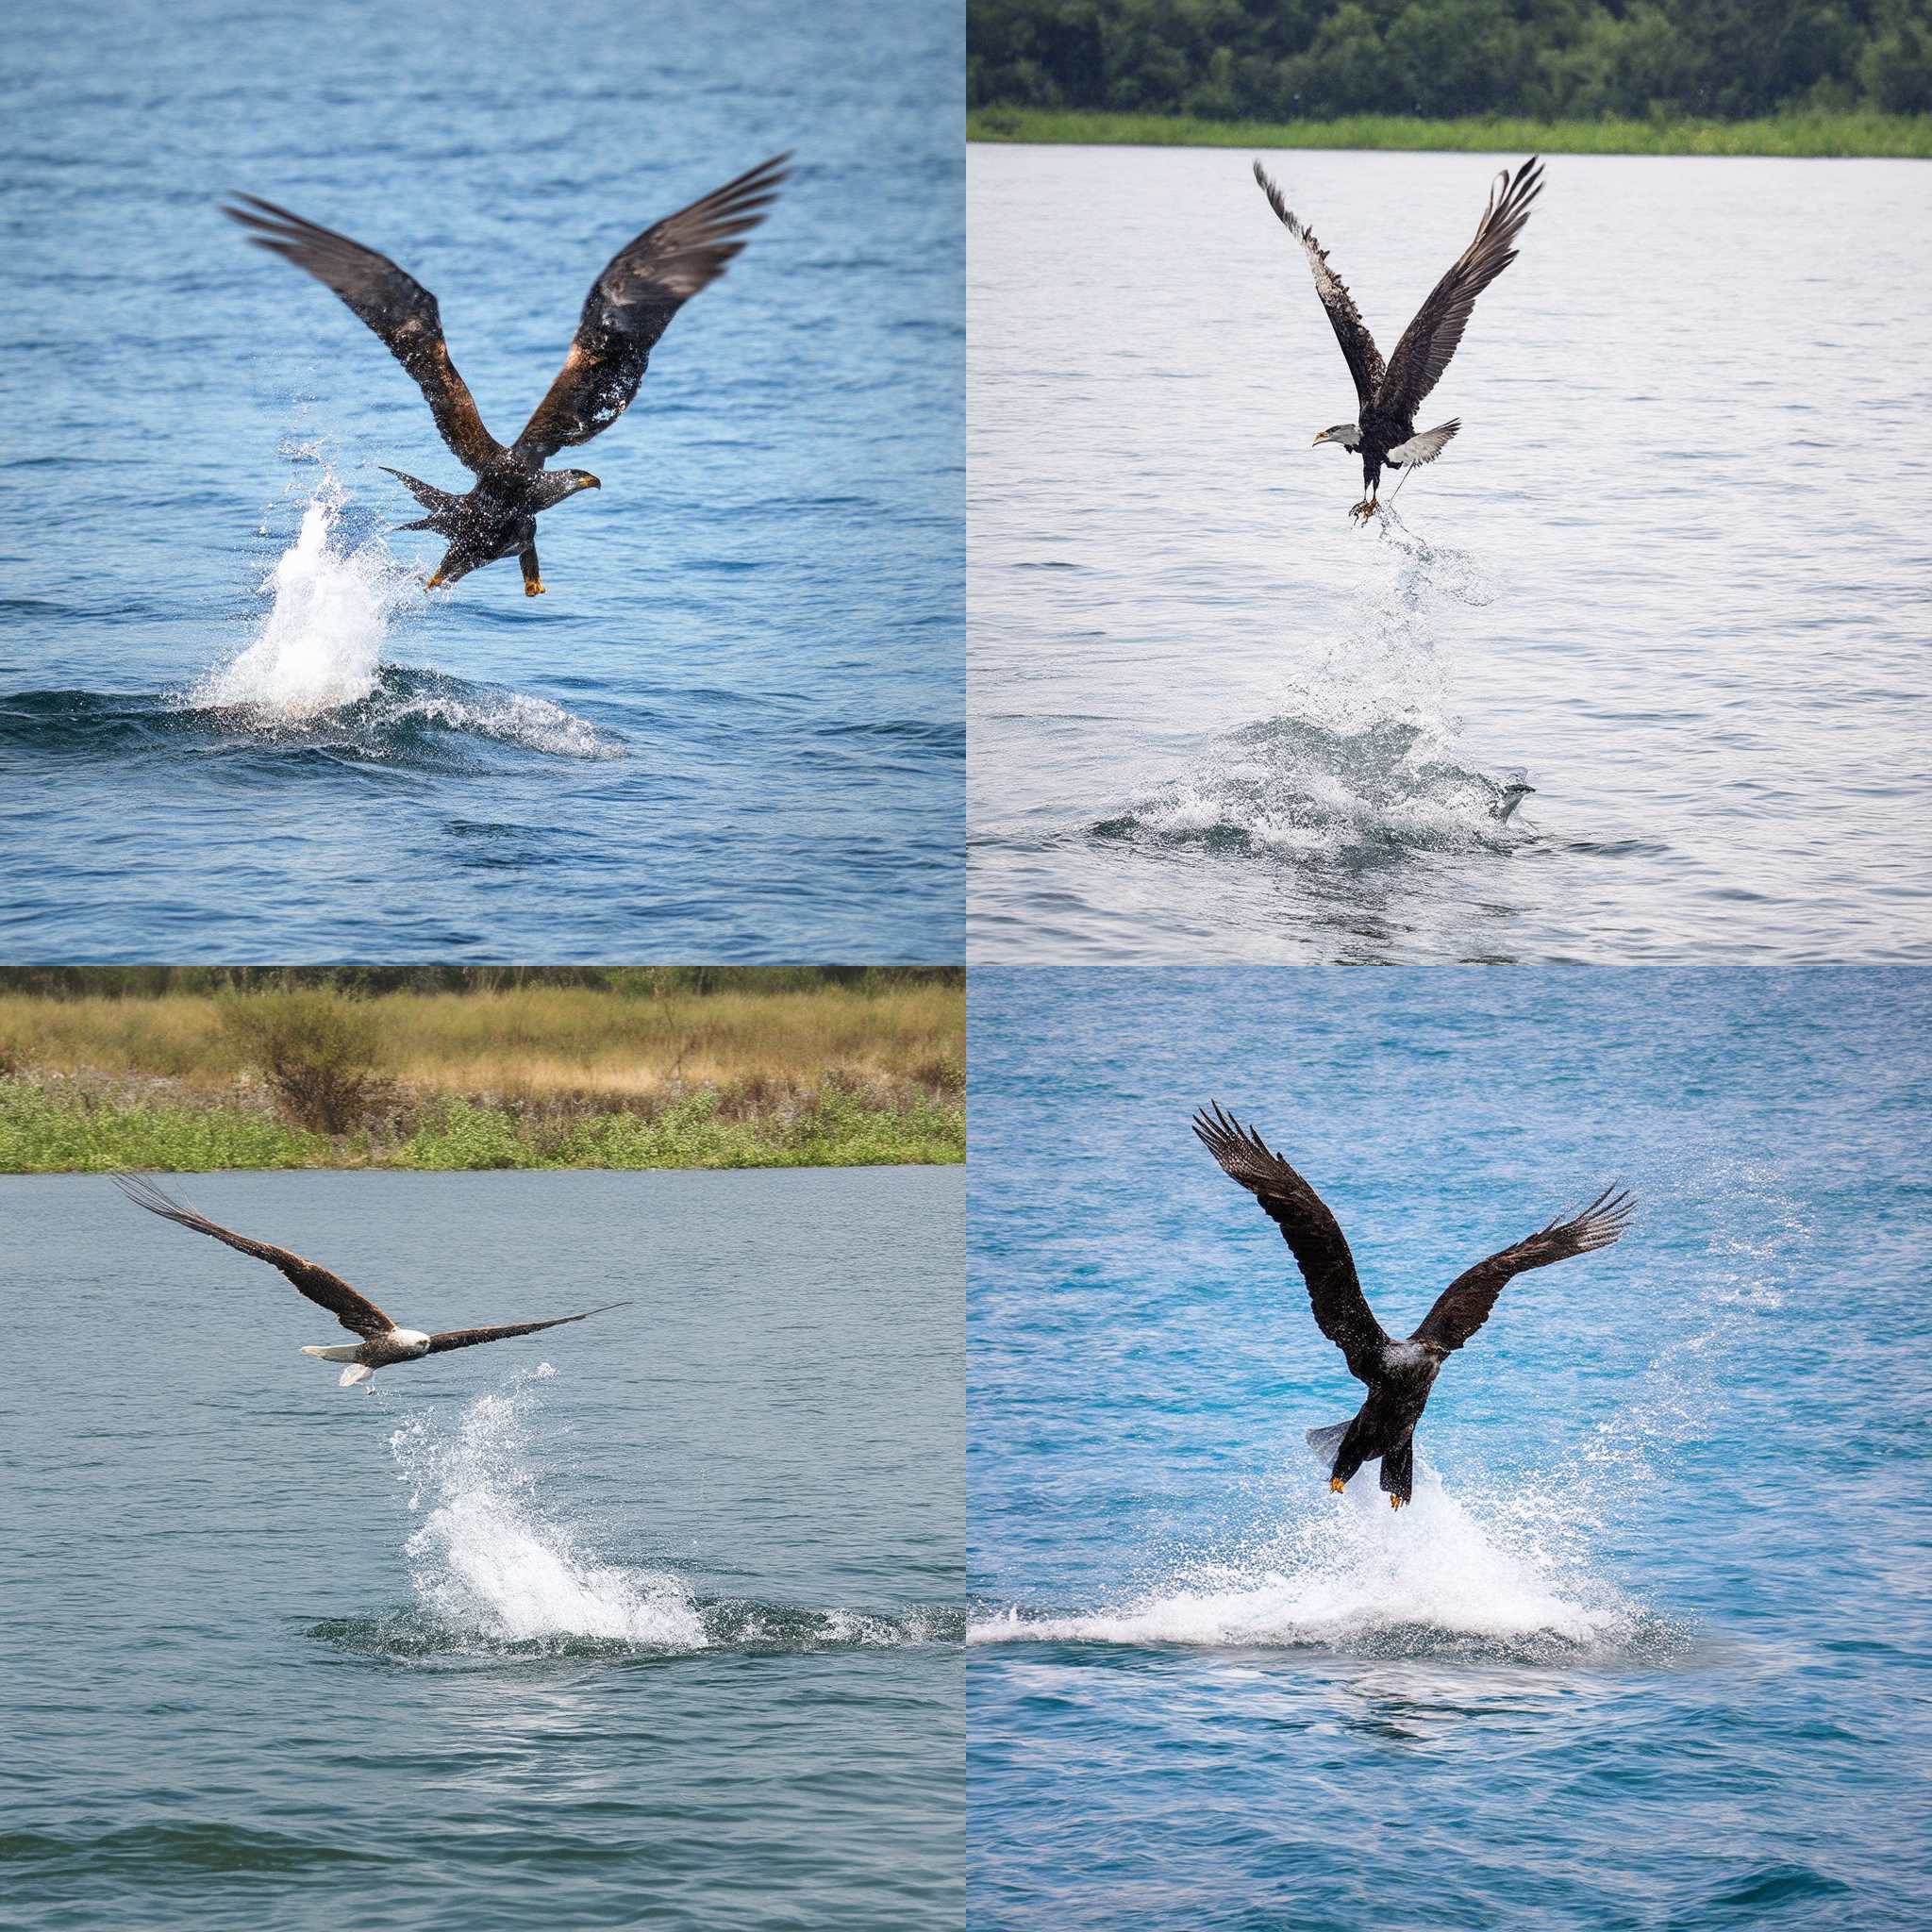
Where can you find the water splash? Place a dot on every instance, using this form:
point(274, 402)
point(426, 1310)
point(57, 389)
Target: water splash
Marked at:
point(492, 1563)
point(1365, 755)
point(319, 647)
point(1440, 1578)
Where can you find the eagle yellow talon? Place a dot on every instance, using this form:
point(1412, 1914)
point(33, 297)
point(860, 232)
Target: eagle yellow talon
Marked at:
point(1395, 1502)
point(1336, 1485)
point(435, 582)
point(533, 587)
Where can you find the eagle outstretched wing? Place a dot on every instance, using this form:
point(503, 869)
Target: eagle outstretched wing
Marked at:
point(630, 305)
point(1464, 1306)
point(399, 309)
point(1358, 345)
point(355, 1312)
point(1430, 340)
point(470, 1337)
point(1312, 1233)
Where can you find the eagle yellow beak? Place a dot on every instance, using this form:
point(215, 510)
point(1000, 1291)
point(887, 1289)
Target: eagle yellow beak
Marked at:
point(590, 482)
point(1322, 438)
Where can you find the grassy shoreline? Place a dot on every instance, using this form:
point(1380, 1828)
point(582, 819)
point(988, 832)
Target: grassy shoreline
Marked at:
point(522, 1075)
point(1846, 135)
point(51, 1127)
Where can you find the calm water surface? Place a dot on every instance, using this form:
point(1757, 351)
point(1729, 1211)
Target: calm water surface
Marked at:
point(1650, 1649)
point(231, 724)
point(1675, 566)
point(656, 1618)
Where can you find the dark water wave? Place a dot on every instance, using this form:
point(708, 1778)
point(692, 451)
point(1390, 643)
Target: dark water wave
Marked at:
point(171, 1851)
point(410, 718)
point(741, 1626)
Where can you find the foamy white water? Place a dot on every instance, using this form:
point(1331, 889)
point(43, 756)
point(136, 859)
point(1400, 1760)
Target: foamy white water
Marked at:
point(492, 1558)
point(1356, 1571)
point(320, 645)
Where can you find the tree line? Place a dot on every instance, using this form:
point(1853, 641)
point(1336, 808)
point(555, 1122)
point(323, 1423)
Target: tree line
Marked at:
point(1547, 59)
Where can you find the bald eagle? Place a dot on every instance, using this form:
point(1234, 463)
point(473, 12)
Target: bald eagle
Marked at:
point(1384, 432)
point(382, 1343)
point(1399, 1374)
point(630, 305)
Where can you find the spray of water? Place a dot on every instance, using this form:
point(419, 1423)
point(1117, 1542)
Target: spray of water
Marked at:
point(1363, 752)
point(319, 647)
point(315, 662)
point(491, 1564)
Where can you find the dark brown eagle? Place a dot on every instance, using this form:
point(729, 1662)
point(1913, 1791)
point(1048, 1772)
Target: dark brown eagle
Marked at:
point(1384, 431)
point(383, 1344)
point(630, 305)
point(1399, 1374)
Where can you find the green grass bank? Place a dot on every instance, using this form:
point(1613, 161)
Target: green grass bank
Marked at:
point(59, 1127)
point(1905, 137)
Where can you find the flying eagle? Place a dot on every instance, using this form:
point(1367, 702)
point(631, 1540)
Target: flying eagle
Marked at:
point(630, 305)
point(1399, 1374)
point(383, 1343)
point(1384, 431)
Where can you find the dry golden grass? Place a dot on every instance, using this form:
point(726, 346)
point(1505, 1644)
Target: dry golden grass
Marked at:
point(541, 1045)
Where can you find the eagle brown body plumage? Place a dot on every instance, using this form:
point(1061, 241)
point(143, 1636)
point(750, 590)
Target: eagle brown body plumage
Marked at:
point(1399, 1375)
point(630, 306)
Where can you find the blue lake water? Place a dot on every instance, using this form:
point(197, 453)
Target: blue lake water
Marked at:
point(231, 723)
point(657, 1618)
point(1656, 570)
point(1650, 1648)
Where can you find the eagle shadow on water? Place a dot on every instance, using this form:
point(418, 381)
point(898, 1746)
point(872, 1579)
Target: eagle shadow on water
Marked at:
point(1384, 432)
point(630, 306)
point(1399, 1375)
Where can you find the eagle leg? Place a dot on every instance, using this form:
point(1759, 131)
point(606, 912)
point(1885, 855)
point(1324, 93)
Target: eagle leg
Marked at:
point(1336, 1485)
point(533, 583)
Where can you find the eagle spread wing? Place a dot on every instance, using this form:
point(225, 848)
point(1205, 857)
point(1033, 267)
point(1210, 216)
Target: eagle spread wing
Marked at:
point(630, 305)
point(468, 1338)
point(397, 307)
point(1464, 1306)
point(1430, 340)
point(355, 1312)
point(1358, 345)
point(1311, 1232)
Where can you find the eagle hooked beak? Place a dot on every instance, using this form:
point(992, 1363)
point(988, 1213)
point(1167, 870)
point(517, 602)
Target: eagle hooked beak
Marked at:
point(1322, 438)
point(590, 482)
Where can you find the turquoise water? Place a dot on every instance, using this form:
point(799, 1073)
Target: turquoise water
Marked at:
point(1650, 1648)
point(655, 1618)
point(231, 723)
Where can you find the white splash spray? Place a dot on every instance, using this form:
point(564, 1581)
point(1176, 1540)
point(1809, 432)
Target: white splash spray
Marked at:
point(1354, 1575)
point(320, 645)
point(492, 1563)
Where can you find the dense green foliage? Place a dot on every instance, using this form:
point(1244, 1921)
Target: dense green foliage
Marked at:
point(1282, 61)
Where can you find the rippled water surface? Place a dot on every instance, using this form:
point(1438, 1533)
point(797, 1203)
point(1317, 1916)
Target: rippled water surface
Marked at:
point(1675, 567)
point(1649, 1650)
point(232, 725)
point(655, 1618)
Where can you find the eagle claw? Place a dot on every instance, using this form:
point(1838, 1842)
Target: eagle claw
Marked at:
point(1336, 1485)
point(1395, 1502)
point(533, 587)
